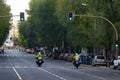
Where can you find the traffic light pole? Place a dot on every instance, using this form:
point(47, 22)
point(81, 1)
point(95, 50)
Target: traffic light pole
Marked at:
point(6, 16)
point(22, 17)
point(9, 16)
point(99, 17)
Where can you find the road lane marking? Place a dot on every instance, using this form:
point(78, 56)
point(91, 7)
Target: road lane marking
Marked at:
point(53, 74)
point(100, 78)
point(17, 73)
point(14, 69)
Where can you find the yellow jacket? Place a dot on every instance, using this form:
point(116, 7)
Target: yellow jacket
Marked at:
point(39, 56)
point(76, 57)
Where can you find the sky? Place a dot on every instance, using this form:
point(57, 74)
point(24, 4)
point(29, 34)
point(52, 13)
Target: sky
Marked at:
point(18, 6)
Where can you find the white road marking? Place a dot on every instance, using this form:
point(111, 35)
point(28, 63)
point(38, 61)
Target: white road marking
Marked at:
point(14, 69)
point(17, 73)
point(53, 74)
point(100, 78)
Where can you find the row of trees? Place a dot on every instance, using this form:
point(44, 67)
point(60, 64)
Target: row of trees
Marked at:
point(47, 24)
point(4, 21)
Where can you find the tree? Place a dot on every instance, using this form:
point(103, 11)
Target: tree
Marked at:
point(87, 31)
point(78, 30)
point(23, 33)
point(4, 21)
point(48, 21)
point(44, 24)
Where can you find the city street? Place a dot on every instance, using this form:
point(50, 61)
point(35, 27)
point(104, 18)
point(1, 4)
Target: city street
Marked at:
point(15, 65)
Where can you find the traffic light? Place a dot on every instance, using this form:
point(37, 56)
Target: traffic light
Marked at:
point(116, 44)
point(70, 16)
point(22, 17)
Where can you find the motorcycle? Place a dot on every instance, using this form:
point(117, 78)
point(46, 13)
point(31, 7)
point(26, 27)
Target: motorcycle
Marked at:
point(39, 62)
point(76, 63)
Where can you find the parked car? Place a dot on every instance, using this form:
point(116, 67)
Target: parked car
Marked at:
point(116, 63)
point(33, 51)
point(56, 54)
point(65, 56)
point(86, 58)
point(28, 50)
point(61, 56)
point(99, 60)
point(83, 58)
point(70, 57)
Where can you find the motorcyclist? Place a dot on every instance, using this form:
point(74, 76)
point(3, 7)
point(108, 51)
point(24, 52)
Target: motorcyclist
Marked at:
point(39, 56)
point(76, 57)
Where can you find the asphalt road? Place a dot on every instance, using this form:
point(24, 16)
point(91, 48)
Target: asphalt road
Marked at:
point(15, 65)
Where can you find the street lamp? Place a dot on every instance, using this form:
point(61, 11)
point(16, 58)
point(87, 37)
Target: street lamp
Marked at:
point(83, 4)
point(116, 32)
point(100, 17)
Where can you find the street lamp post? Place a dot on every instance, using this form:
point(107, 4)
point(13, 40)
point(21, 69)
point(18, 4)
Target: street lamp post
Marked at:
point(100, 17)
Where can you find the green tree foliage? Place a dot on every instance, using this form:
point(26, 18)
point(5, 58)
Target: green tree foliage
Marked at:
point(23, 33)
point(44, 24)
point(86, 31)
point(48, 21)
point(110, 10)
point(4, 21)
point(78, 30)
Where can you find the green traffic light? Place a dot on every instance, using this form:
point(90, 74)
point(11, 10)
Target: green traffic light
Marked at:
point(70, 16)
point(116, 45)
point(21, 19)
point(22, 16)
